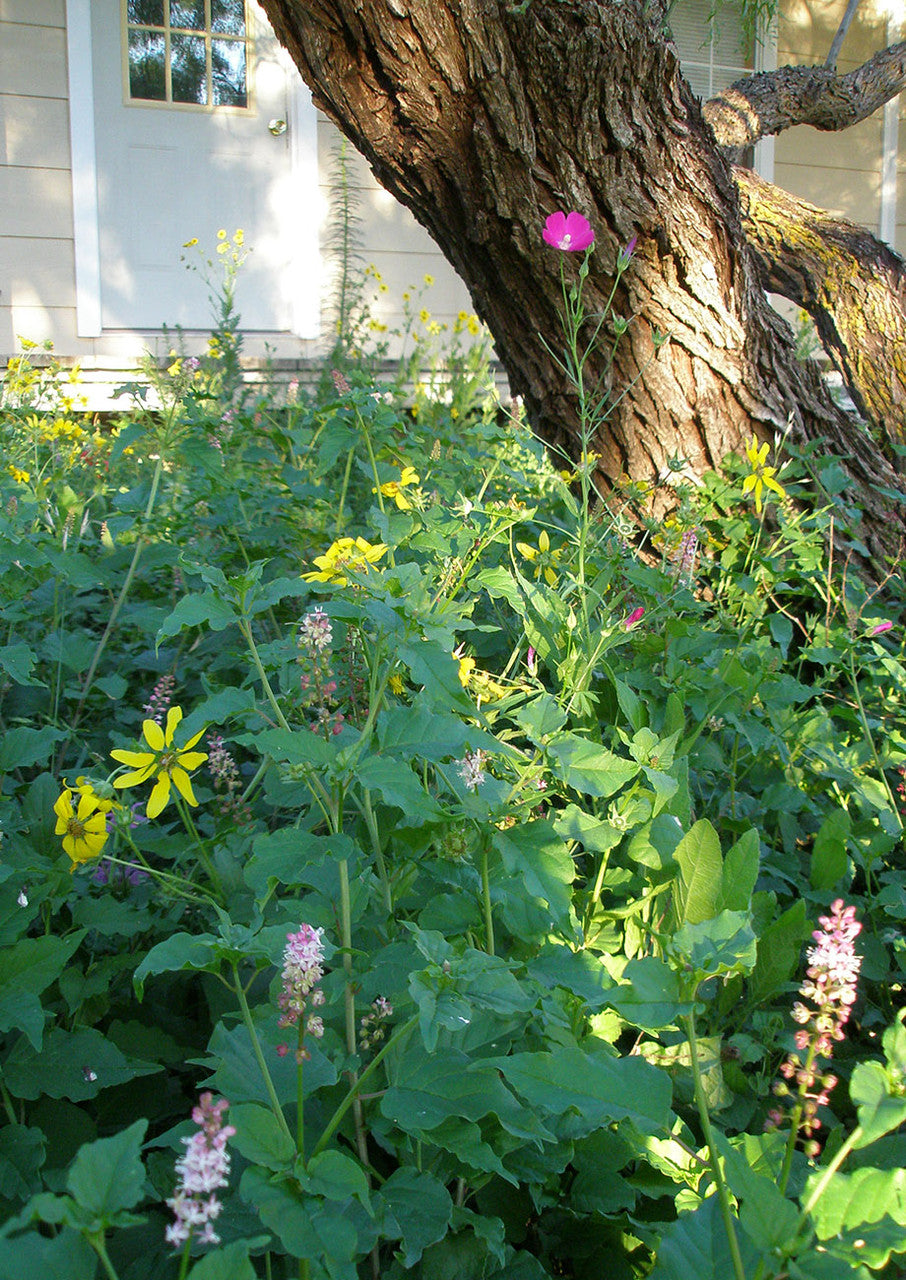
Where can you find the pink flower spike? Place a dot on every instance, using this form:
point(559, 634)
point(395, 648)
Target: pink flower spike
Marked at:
point(568, 231)
point(636, 616)
point(881, 628)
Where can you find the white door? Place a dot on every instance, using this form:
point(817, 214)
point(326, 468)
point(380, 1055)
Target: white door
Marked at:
point(194, 132)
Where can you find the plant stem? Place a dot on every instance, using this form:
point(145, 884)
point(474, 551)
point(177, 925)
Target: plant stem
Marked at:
point(869, 739)
point(828, 1173)
point(96, 1240)
point(239, 991)
point(246, 630)
point(349, 1003)
point(486, 897)
point(366, 1075)
point(713, 1161)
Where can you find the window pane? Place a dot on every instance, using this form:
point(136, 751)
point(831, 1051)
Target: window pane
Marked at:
point(149, 13)
point(187, 13)
point(147, 78)
point(228, 17)
point(188, 74)
point(228, 67)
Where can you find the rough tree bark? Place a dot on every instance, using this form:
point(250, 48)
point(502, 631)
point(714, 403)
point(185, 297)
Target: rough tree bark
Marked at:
point(483, 117)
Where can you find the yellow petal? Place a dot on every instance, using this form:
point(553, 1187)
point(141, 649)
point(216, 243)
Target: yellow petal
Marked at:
point(138, 759)
point(191, 759)
point(63, 807)
point(160, 796)
point(135, 778)
point(174, 715)
point(183, 784)
point(191, 743)
point(154, 735)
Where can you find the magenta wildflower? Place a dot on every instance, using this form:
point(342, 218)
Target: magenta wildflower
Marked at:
point(881, 628)
point(161, 696)
point(568, 231)
point(636, 616)
point(203, 1169)
point(828, 993)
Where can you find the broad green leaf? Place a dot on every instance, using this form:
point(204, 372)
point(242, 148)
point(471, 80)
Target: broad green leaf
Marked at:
point(305, 1226)
point(648, 995)
point(740, 871)
point(879, 1107)
point(829, 859)
point(20, 748)
point(22, 1151)
point(397, 785)
point(769, 1219)
point(108, 1176)
point(204, 609)
point(235, 1072)
point(336, 1176)
point(695, 1247)
point(858, 1200)
point(417, 1210)
point(198, 951)
point(699, 887)
point(228, 1262)
point(259, 1138)
point(586, 1091)
point(714, 948)
point(779, 949)
point(65, 1256)
point(72, 1064)
point(299, 747)
point(536, 855)
point(27, 968)
point(588, 767)
point(17, 661)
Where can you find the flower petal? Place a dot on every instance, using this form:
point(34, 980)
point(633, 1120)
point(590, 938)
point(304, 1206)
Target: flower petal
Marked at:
point(190, 760)
point(138, 759)
point(160, 796)
point(154, 735)
point(174, 715)
point(183, 784)
point(134, 779)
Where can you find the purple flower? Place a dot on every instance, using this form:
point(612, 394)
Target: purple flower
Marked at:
point(881, 628)
point(636, 616)
point(568, 231)
point(303, 969)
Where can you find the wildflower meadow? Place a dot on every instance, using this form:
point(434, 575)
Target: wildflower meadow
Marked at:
point(415, 863)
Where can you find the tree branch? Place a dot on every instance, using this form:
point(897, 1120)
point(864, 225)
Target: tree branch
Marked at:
point(771, 101)
point(851, 284)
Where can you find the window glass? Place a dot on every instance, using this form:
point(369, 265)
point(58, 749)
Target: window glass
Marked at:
point(187, 52)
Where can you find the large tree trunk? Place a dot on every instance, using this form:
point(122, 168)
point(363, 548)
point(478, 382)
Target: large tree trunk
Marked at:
point(483, 120)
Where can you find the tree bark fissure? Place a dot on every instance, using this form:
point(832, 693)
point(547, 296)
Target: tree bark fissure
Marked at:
point(483, 120)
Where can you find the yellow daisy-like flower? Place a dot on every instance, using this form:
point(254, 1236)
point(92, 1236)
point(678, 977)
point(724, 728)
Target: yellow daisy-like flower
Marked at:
point(346, 555)
point(164, 761)
point(20, 476)
point(394, 488)
point(83, 827)
point(429, 280)
point(466, 667)
point(542, 557)
point(396, 684)
point(762, 476)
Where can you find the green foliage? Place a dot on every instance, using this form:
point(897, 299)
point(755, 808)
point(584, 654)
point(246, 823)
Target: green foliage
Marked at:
point(565, 855)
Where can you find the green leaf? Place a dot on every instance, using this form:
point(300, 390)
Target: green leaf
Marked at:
point(695, 1247)
point(858, 1200)
point(235, 1072)
point(206, 609)
point(587, 1091)
point(65, 1256)
point(295, 747)
point(769, 1219)
point(535, 854)
point(72, 1064)
point(229, 1262)
point(17, 661)
point(21, 1156)
point(22, 747)
point(829, 861)
point(260, 1138)
point(649, 995)
point(198, 951)
point(714, 948)
point(740, 871)
point(588, 767)
point(26, 969)
point(880, 1108)
point(779, 948)
point(398, 785)
point(700, 884)
point(336, 1176)
point(417, 1210)
point(108, 1176)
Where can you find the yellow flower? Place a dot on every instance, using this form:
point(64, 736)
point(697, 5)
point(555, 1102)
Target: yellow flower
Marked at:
point(221, 234)
point(394, 488)
point(352, 555)
point(466, 667)
point(163, 761)
point(84, 829)
point(20, 477)
point(473, 325)
point(239, 237)
point(424, 315)
point(396, 684)
point(542, 557)
point(429, 280)
point(190, 244)
point(762, 476)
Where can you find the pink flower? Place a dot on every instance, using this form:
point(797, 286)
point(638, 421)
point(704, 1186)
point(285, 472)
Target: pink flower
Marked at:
point(568, 231)
point(636, 616)
point(881, 628)
point(303, 969)
point(203, 1169)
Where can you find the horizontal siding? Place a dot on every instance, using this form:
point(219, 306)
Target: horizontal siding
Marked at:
point(33, 60)
point(35, 203)
point(852, 194)
point(34, 132)
point(39, 13)
point(37, 272)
